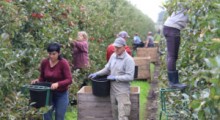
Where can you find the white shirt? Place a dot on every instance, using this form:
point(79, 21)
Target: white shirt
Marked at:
point(122, 67)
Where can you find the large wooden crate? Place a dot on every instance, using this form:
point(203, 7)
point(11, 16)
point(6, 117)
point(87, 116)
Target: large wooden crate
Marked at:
point(151, 52)
point(143, 66)
point(91, 107)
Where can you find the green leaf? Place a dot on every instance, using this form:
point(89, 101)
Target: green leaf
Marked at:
point(10, 63)
point(212, 92)
point(205, 93)
point(208, 63)
point(195, 104)
point(217, 58)
point(214, 81)
point(4, 36)
point(201, 115)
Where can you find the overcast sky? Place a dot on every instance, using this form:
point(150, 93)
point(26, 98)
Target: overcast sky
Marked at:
point(148, 7)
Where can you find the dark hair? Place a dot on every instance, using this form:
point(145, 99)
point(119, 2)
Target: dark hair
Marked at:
point(54, 47)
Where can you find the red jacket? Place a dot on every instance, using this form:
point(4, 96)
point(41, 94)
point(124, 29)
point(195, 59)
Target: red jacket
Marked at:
point(111, 50)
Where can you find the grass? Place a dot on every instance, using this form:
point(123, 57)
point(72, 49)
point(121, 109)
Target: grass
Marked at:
point(144, 89)
point(152, 68)
point(71, 113)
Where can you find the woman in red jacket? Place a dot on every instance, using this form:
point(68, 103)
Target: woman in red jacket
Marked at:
point(56, 70)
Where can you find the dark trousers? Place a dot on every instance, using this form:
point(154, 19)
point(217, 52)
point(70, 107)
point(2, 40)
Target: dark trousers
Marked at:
point(135, 46)
point(172, 36)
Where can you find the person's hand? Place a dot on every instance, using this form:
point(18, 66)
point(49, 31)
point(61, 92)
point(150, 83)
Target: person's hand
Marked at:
point(54, 86)
point(111, 77)
point(34, 81)
point(93, 75)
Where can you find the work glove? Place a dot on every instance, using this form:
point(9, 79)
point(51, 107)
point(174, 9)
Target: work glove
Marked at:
point(111, 77)
point(93, 75)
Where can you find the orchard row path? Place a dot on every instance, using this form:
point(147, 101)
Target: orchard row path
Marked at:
point(152, 99)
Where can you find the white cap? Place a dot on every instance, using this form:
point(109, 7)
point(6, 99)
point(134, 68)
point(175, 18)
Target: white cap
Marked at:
point(119, 42)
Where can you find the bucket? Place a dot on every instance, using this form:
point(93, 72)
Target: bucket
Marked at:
point(101, 86)
point(40, 94)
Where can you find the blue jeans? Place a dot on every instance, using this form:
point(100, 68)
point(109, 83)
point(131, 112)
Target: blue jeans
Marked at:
point(60, 102)
point(172, 36)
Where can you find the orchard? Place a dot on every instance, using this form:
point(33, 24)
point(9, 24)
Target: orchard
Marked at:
point(198, 60)
point(28, 26)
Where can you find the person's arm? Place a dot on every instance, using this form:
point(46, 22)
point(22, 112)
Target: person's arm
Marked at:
point(134, 40)
point(146, 43)
point(129, 72)
point(82, 46)
point(139, 40)
point(67, 74)
point(106, 69)
point(75, 48)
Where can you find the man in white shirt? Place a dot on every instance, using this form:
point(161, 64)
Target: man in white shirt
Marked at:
point(120, 71)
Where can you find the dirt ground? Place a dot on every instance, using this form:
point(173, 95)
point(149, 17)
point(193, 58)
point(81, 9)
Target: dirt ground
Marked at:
point(153, 100)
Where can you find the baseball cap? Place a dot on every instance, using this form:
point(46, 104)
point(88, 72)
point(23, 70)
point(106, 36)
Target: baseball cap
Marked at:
point(123, 34)
point(119, 42)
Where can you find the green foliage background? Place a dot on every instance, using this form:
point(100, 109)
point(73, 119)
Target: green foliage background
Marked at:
point(24, 38)
point(197, 63)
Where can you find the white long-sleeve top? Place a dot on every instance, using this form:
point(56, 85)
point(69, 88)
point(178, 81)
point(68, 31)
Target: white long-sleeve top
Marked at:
point(177, 20)
point(122, 67)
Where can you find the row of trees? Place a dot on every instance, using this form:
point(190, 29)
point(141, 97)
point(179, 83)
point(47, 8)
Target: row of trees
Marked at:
point(199, 61)
point(28, 26)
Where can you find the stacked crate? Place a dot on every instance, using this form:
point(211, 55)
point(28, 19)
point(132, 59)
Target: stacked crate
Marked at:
point(142, 68)
point(91, 107)
point(151, 53)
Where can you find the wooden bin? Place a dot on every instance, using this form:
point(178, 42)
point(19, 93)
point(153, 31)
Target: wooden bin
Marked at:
point(143, 64)
point(91, 107)
point(148, 52)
